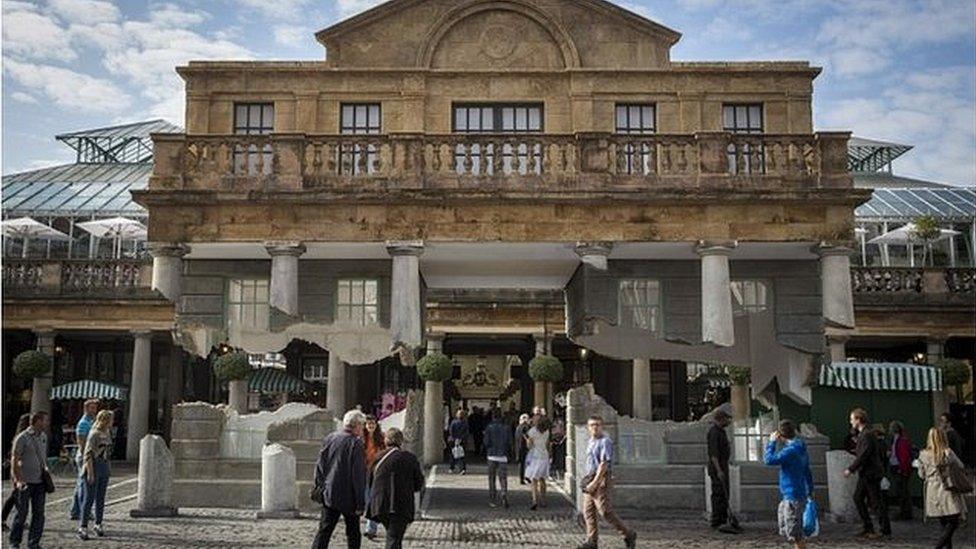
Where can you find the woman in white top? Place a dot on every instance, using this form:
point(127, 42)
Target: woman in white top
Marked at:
point(537, 468)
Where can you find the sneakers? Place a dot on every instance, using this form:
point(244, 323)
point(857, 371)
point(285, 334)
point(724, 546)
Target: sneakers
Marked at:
point(99, 531)
point(371, 536)
point(492, 504)
point(630, 540)
point(82, 534)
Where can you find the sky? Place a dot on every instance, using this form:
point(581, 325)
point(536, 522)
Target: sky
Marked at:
point(896, 70)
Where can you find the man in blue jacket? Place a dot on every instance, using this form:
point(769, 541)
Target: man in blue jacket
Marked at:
point(795, 479)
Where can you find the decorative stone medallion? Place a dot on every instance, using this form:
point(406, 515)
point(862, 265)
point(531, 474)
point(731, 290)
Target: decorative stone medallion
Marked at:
point(498, 41)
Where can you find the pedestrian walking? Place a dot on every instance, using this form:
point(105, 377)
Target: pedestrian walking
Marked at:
point(521, 448)
point(498, 447)
point(393, 482)
point(900, 469)
point(95, 470)
point(82, 429)
point(868, 464)
point(458, 432)
point(11, 501)
point(719, 453)
point(340, 481)
point(537, 466)
point(373, 444)
point(795, 480)
point(953, 438)
point(597, 486)
point(557, 445)
point(477, 422)
point(28, 469)
point(940, 502)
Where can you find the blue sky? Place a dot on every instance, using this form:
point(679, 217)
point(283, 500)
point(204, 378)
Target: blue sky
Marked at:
point(899, 70)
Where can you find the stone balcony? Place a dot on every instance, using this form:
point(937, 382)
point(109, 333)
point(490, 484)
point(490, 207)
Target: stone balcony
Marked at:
point(100, 278)
point(540, 163)
point(938, 289)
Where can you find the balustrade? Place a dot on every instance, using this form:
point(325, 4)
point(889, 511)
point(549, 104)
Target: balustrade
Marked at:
point(886, 279)
point(22, 274)
point(961, 280)
point(84, 276)
point(71, 276)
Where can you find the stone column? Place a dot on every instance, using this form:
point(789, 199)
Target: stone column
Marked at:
point(41, 386)
point(174, 389)
point(278, 477)
point(155, 491)
point(716, 293)
point(167, 272)
point(642, 389)
point(139, 393)
point(741, 404)
point(237, 395)
point(433, 412)
point(835, 279)
point(934, 351)
point(542, 390)
point(405, 307)
point(335, 395)
point(284, 275)
point(838, 348)
point(594, 254)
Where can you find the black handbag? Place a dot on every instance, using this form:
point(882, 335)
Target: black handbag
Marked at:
point(48, 481)
point(953, 476)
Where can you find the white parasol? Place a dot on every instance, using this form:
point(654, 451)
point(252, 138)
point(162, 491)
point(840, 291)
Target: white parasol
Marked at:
point(119, 228)
point(28, 228)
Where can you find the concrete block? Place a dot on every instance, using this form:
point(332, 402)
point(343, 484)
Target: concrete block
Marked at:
point(197, 411)
point(657, 474)
point(195, 449)
point(687, 454)
point(192, 429)
point(221, 493)
point(659, 498)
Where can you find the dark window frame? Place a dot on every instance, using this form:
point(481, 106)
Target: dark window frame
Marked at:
point(351, 156)
point(629, 128)
point(247, 128)
point(354, 127)
point(746, 127)
point(497, 117)
point(245, 158)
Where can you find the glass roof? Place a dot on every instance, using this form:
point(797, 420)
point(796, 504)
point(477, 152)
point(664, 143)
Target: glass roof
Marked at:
point(945, 204)
point(100, 190)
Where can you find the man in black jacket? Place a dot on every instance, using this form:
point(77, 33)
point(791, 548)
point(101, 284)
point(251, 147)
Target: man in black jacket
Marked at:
point(393, 481)
point(341, 474)
point(719, 453)
point(869, 466)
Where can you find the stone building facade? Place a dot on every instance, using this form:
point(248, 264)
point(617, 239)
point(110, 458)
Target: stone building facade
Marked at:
point(440, 149)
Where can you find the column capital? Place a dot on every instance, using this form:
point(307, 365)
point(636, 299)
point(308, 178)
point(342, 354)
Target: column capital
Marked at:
point(594, 253)
point(284, 247)
point(825, 249)
point(141, 333)
point(405, 247)
point(168, 249)
point(715, 247)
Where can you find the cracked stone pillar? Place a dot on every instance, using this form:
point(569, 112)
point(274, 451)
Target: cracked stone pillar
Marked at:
point(41, 386)
point(835, 278)
point(138, 424)
point(716, 293)
point(405, 307)
point(433, 411)
point(642, 389)
point(167, 270)
point(594, 254)
point(284, 275)
point(542, 390)
point(935, 351)
point(335, 393)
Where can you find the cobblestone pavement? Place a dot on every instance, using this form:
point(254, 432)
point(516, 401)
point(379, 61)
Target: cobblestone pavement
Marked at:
point(456, 516)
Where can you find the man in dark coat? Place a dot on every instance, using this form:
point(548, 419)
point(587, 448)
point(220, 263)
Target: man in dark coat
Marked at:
point(341, 474)
point(393, 481)
point(521, 448)
point(869, 466)
point(719, 453)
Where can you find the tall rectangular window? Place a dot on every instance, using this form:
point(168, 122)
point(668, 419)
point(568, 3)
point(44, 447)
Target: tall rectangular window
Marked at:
point(744, 119)
point(247, 304)
point(253, 119)
point(357, 301)
point(749, 296)
point(359, 119)
point(639, 304)
point(499, 118)
point(635, 119)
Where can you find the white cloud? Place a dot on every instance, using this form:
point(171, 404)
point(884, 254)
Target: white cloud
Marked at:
point(67, 88)
point(348, 8)
point(23, 97)
point(30, 33)
point(85, 12)
point(724, 29)
point(279, 9)
point(171, 15)
point(292, 35)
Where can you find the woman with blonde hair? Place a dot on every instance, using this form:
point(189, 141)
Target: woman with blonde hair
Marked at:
point(949, 507)
point(96, 471)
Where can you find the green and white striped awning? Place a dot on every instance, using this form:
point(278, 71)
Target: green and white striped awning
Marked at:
point(274, 380)
point(87, 388)
point(881, 376)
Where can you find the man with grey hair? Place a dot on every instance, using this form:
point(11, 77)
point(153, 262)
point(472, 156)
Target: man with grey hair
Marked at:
point(340, 481)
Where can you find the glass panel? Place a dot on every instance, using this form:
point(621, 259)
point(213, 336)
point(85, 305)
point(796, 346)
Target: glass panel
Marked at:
point(647, 114)
point(508, 119)
point(728, 116)
point(370, 292)
point(267, 118)
point(371, 315)
point(374, 116)
point(755, 117)
point(347, 116)
point(621, 118)
point(535, 119)
point(240, 117)
point(487, 119)
point(460, 119)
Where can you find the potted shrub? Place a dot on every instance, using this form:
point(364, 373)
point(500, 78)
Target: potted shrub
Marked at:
point(955, 373)
point(234, 368)
point(545, 370)
point(740, 376)
point(37, 366)
point(434, 368)
point(927, 231)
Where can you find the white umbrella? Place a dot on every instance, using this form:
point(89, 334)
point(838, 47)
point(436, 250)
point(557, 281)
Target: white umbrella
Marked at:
point(27, 228)
point(906, 234)
point(119, 228)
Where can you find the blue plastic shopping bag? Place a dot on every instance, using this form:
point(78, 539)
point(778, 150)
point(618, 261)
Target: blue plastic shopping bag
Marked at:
point(811, 519)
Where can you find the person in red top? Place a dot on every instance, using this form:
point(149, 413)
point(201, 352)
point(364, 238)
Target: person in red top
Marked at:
point(373, 442)
point(900, 468)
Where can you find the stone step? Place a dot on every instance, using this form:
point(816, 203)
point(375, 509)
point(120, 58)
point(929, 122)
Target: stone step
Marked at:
point(659, 497)
point(757, 473)
point(232, 494)
point(658, 474)
point(687, 454)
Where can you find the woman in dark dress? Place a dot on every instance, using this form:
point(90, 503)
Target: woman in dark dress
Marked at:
point(392, 483)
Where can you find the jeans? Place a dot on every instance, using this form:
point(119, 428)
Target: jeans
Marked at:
point(869, 491)
point(371, 527)
point(949, 525)
point(396, 528)
point(78, 501)
point(9, 504)
point(95, 493)
point(499, 470)
point(30, 499)
point(327, 523)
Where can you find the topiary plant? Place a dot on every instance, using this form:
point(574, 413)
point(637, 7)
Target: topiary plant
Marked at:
point(955, 373)
point(740, 375)
point(435, 366)
point(232, 366)
point(545, 368)
point(31, 364)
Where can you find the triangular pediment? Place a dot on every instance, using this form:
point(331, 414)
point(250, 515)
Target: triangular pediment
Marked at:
point(498, 34)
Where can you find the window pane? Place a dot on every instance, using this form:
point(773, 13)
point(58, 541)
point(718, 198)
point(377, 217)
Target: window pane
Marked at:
point(357, 293)
point(487, 119)
point(535, 119)
point(347, 116)
point(460, 119)
point(370, 298)
point(240, 116)
point(508, 119)
point(755, 117)
point(374, 116)
point(621, 118)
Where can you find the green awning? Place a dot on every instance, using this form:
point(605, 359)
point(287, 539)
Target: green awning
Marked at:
point(87, 388)
point(881, 376)
point(274, 380)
